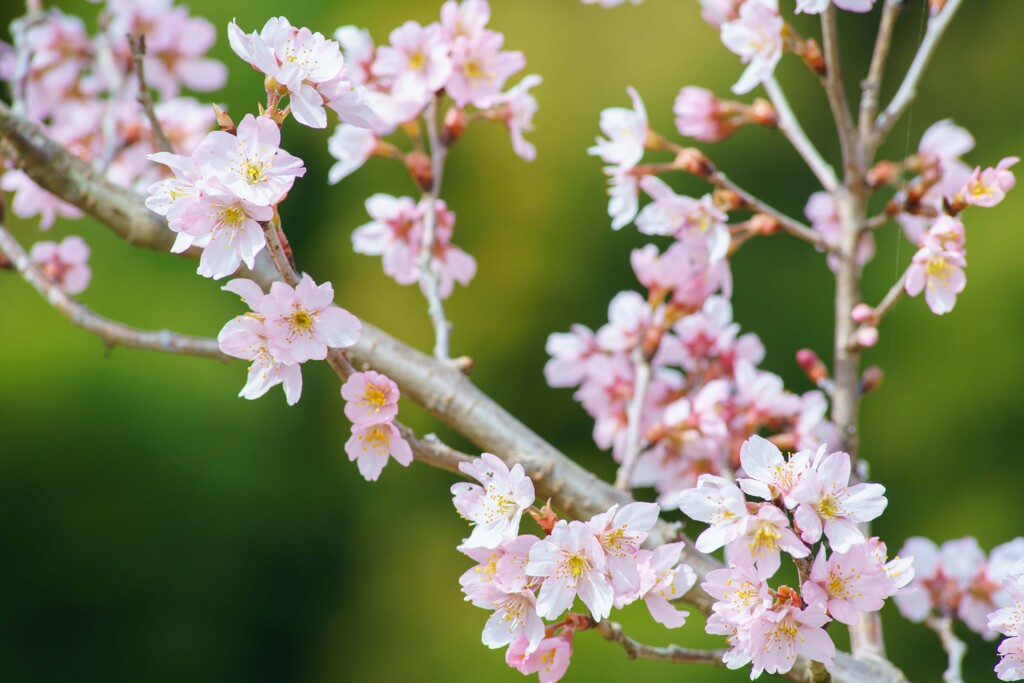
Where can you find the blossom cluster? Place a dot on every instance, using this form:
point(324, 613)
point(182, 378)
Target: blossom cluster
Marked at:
point(458, 57)
point(1009, 621)
point(396, 235)
point(525, 579)
point(371, 403)
point(805, 499)
point(219, 197)
point(957, 579)
point(66, 263)
point(82, 90)
point(284, 328)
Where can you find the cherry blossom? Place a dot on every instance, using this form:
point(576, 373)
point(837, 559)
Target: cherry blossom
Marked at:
point(302, 322)
point(495, 508)
point(756, 36)
point(827, 503)
point(549, 661)
point(251, 164)
point(819, 6)
point(720, 503)
point(66, 263)
point(701, 115)
point(772, 476)
point(229, 228)
point(683, 217)
point(620, 533)
point(572, 562)
point(764, 536)
point(937, 269)
point(352, 147)
point(570, 356)
point(778, 635)
point(664, 579)
point(480, 69)
point(417, 63)
point(626, 131)
point(370, 398)
point(517, 110)
point(847, 583)
point(465, 19)
point(371, 445)
point(30, 200)
point(989, 187)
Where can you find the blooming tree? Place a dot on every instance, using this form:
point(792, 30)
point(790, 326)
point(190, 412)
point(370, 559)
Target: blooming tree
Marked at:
point(677, 393)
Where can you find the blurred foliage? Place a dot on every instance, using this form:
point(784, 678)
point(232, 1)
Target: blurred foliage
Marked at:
point(154, 527)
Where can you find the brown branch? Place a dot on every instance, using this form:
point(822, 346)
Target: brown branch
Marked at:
point(871, 87)
point(788, 224)
point(835, 90)
point(138, 48)
point(937, 26)
point(112, 332)
point(613, 633)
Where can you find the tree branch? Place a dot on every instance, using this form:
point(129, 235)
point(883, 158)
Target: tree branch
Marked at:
point(112, 332)
point(634, 417)
point(613, 633)
point(871, 87)
point(835, 90)
point(428, 278)
point(791, 128)
point(937, 25)
point(954, 647)
point(788, 224)
point(138, 48)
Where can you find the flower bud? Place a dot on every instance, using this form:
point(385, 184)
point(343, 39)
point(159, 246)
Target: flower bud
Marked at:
point(418, 164)
point(763, 224)
point(763, 113)
point(862, 313)
point(812, 56)
point(812, 365)
point(223, 120)
point(866, 336)
point(870, 380)
point(881, 174)
point(454, 124)
point(693, 161)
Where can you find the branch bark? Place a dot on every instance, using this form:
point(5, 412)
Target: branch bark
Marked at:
point(112, 332)
point(612, 632)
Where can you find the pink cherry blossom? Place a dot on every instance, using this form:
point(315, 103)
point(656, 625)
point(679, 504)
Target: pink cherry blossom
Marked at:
point(664, 579)
point(571, 562)
point(628, 317)
point(720, 503)
point(58, 50)
point(626, 131)
point(302, 322)
point(371, 444)
point(352, 147)
point(230, 228)
point(550, 661)
point(480, 69)
point(685, 218)
point(393, 234)
point(827, 503)
point(937, 269)
point(849, 583)
point(701, 115)
point(359, 52)
point(1011, 659)
point(465, 19)
point(370, 398)
point(517, 110)
point(515, 615)
point(251, 164)
point(245, 337)
point(779, 635)
point(417, 63)
point(989, 187)
point(30, 200)
point(624, 193)
point(819, 6)
point(570, 356)
point(761, 395)
point(1009, 620)
point(772, 476)
point(763, 539)
point(620, 533)
point(172, 196)
point(823, 213)
point(309, 67)
point(495, 508)
point(176, 44)
point(756, 36)
point(66, 263)
point(740, 593)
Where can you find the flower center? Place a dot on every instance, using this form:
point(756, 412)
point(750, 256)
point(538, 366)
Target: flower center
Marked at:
point(417, 60)
point(376, 439)
point(375, 396)
point(938, 268)
point(302, 320)
point(254, 171)
point(578, 565)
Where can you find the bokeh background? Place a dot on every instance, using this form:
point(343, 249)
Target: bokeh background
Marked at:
point(154, 527)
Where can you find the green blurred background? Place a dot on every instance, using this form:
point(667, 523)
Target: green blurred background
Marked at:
point(154, 527)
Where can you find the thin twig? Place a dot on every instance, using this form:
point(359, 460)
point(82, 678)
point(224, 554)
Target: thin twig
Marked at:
point(428, 278)
point(634, 418)
point(791, 128)
point(612, 632)
point(278, 255)
point(112, 332)
point(908, 89)
point(871, 87)
point(954, 647)
point(835, 90)
point(787, 223)
point(138, 48)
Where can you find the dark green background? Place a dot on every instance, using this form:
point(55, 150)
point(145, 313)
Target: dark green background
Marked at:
point(153, 527)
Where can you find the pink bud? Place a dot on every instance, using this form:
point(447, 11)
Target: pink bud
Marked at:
point(863, 313)
point(812, 365)
point(866, 336)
